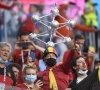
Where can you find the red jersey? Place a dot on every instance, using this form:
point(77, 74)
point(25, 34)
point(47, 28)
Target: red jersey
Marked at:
point(17, 56)
point(64, 30)
point(5, 6)
point(60, 72)
point(22, 87)
point(10, 77)
point(28, 26)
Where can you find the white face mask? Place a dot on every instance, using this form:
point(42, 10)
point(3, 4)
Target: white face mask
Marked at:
point(3, 61)
point(83, 72)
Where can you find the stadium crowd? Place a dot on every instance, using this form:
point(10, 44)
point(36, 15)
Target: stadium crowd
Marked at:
point(27, 64)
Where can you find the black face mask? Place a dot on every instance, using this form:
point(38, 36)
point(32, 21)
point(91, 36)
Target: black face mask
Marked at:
point(51, 62)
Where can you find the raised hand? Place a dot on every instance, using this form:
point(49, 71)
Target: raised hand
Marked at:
point(38, 85)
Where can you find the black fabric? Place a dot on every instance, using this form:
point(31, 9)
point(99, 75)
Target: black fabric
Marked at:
point(8, 70)
point(50, 62)
point(73, 83)
point(91, 82)
point(12, 76)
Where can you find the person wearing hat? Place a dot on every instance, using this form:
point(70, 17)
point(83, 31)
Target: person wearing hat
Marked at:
point(55, 76)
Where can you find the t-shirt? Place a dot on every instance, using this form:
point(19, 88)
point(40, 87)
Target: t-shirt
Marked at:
point(17, 56)
point(77, 80)
point(10, 77)
point(22, 87)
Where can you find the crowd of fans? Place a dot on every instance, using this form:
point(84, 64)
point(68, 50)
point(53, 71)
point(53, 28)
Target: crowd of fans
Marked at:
point(29, 65)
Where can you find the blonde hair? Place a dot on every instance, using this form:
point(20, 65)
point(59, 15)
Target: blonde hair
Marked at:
point(29, 67)
point(2, 44)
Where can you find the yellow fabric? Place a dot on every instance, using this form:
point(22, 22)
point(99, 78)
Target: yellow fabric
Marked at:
point(53, 84)
point(50, 49)
point(91, 16)
point(99, 73)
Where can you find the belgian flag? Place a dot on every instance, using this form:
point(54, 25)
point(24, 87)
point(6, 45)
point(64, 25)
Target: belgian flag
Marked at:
point(91, 82)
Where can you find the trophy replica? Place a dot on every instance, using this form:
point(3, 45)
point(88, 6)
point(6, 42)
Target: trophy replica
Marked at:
point(52, 28)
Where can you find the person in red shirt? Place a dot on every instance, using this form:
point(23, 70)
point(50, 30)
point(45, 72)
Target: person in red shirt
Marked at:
point(21, 53)
point(76, 46)
point(55, 76)
point(6, 6)
point(64, 30)
point(30, 76)
point(30, 62)
point(28, 24)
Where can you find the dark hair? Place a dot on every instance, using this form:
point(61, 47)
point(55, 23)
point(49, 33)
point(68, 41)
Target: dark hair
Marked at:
point(15, 65)
point(79, 36)
point(23, 34)
point(35, 5)
point(73, 63)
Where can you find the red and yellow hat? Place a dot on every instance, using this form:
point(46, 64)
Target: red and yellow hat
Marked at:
point(49, 50)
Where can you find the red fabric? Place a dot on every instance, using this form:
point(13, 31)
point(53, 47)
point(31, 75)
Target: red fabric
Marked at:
point(5, 6)
point(20, 75)
point(22, 87)
point(8, 82)
point(28, 26)
point(60, 72)
point(64, 30)
point(18, 58)
point(66, 55)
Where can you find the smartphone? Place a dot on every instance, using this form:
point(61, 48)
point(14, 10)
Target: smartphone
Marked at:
point(40, 78)
point(23, 44)
point(85, 54)
point(33, 56)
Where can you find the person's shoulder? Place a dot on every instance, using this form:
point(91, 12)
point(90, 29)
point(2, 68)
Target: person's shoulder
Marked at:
point(67, 51)
point(41, 73)
point(21, 86)
point(17, 51)
point(72, 83)
point(36, 51)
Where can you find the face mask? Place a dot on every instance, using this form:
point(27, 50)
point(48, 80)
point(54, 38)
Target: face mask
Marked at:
point(30, 78)
point(3, 61)
point(83, 72)
point(51, 62)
